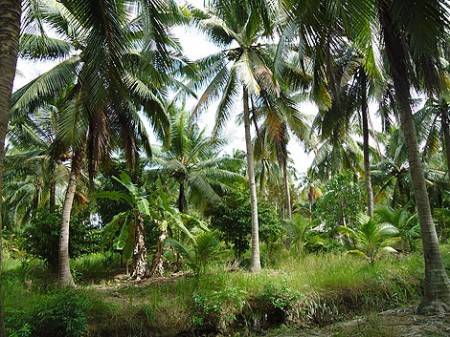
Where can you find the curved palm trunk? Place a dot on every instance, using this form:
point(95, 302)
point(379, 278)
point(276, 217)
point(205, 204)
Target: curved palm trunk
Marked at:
point(436, 296)
point(65, 278)
point(10, 11)
point(365, 120)
point(140, 269)
point(255, 263)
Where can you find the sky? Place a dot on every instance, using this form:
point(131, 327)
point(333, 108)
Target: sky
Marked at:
point(195, 46)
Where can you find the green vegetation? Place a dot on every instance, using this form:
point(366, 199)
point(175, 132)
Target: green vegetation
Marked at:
point(316, 289)
point(115, 156)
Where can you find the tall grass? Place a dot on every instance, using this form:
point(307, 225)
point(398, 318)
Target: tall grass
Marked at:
point(316, 288)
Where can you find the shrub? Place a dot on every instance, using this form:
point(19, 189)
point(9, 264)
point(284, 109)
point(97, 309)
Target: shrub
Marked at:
point(41, 236)
point(60, 315)
point(218, 309)
point(340, 204)
point(232, 219)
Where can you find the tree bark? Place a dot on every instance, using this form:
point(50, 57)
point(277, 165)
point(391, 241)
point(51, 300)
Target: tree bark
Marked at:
point(65, 278)
point(255, 263)
point(52, 187)
point(436, 296)
point(287, 192)
point(140, 269)
point(181, 197)
point(446, 133)
point(365, 122)
point(10, 11)
point(157, 268)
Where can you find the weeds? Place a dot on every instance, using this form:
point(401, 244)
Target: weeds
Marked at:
point(315, 289)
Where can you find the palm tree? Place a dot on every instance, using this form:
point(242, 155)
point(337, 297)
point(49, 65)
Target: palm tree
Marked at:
point(10, 12)
point(411, 54)
point(407, 47)
point(405, 222)
point(104, 86)
point(371, 238)
point(242, 69)
point(32, 177)
point(194, 162)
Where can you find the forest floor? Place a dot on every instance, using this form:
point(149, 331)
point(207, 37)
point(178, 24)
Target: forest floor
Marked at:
point(395, 322)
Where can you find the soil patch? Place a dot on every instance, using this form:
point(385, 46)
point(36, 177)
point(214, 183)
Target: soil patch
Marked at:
point(396, 322)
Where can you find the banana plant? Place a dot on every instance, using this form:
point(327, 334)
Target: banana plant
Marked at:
point(130, 224)
point(372, 238)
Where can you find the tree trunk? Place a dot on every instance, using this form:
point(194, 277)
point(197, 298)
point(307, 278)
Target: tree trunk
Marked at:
point(157, 268)
point(52, 187)
point(65, 278)
point(10, 11)
point(52, 196)
point(446, 133)
point(365, 122)
point(436, 296)
point(255, 263)
point(287, 192)
point(181, 197)
point(140, 269)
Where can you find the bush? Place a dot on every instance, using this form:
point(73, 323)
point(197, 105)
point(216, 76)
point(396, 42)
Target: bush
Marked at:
point(41, 236)
point(232, 219)
point(61, 315)
point(56, 315)
point(340, 204)
point(218, 309)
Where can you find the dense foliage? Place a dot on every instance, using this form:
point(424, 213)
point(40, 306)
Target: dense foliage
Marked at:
point(41, 236)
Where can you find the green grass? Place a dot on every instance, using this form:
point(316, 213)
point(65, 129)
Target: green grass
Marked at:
point(329, 286)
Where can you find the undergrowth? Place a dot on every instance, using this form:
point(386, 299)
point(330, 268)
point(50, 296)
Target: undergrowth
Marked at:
point(316, 289)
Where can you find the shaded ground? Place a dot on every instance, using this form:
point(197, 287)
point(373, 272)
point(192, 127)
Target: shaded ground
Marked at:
point(390, 323)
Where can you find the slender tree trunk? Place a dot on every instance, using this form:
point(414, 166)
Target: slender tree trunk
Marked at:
point(181, 197)
point(446, 133)
point(65, 278)
point(140, 268)
point(52, 195)
point(255, 263)
point(365, 122)
point(52, 187)
point(10, 11)
point(436, 296)
point(287, 192)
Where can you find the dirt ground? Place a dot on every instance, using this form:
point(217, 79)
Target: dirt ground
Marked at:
point(397, 322)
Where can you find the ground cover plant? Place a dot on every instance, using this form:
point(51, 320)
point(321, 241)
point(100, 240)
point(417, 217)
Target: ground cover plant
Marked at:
point(317, 289)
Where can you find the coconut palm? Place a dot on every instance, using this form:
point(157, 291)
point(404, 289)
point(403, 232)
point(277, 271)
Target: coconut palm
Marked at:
point(371, 238)
point(239, 69)
point(407, 47)
point(412, 55)
point(406, 223)
point(104, 84)
point(194, 162)
point(33, 177)
point(10, 12)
